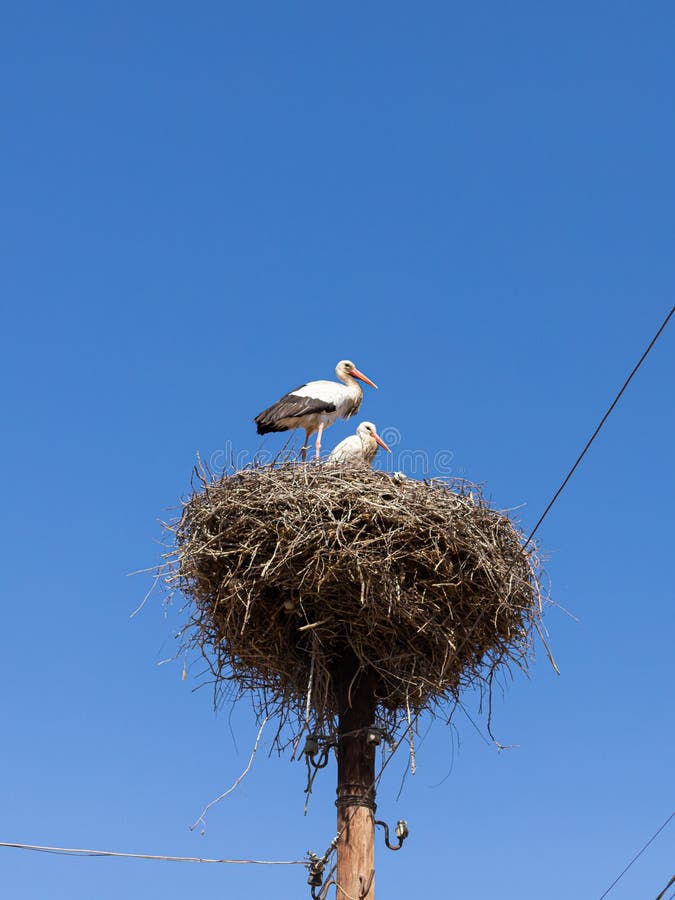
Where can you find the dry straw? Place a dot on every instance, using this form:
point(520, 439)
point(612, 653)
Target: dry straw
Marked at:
point(291, 569)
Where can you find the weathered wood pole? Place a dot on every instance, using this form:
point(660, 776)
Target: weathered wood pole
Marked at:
point(355, 788)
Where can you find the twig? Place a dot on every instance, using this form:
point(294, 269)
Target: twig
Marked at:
point(546, 647)
point(411, 739)
point(159, 576)
point(236, 783)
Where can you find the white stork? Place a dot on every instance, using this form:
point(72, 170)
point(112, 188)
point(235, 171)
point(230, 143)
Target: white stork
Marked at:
point(316, 405)
point(359, 448)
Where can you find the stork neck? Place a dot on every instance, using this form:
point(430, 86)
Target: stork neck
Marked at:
point(369, 447)
point(352, 384)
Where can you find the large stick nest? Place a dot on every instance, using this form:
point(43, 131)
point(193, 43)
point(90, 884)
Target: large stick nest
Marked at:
point(293, 569)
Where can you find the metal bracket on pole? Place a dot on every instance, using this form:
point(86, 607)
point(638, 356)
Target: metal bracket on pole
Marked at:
point(401, 833)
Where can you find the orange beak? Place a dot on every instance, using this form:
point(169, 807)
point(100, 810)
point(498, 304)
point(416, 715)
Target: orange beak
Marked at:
point(356, 374)
point(379, 440)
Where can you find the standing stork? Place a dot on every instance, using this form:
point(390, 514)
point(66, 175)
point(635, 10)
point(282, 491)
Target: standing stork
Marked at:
point(359, 448)
point(316, 405)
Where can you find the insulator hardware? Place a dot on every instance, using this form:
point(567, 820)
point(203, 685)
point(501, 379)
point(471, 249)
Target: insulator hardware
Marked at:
point(314, 754)
point(311, 745)
point(402, 830)
point(315, 866)
point(401, 833)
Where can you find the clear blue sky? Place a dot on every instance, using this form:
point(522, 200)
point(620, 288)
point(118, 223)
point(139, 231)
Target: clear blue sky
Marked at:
point(204, 205)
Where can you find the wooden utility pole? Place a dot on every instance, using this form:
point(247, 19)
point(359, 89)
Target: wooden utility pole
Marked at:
point(355, 789)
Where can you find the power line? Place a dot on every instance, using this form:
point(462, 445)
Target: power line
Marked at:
point(637, 856)
point(73, 851)
point(580, 457)
point(575, 466)
point(663, 892)
point(602, 422)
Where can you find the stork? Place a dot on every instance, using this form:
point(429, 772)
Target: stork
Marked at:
point(316, 405)
point(359, 448)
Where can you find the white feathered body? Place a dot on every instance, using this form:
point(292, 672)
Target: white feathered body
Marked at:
point(357, 449)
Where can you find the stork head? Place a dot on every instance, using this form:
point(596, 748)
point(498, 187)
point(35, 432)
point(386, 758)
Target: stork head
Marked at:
point(367, 430)
point(346, 369)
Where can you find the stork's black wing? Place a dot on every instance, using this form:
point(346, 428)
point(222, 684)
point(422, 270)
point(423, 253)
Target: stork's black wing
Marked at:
point(290, 406)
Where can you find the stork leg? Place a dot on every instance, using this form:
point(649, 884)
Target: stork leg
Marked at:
point(305, 447)
point(318, 441)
